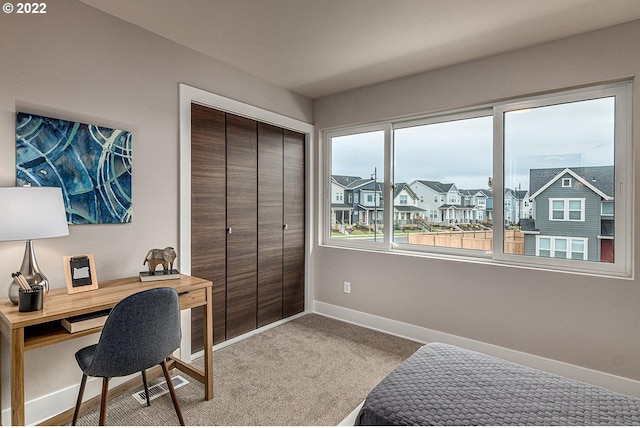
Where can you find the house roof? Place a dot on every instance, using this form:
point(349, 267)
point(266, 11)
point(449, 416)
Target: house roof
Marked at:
point(437, 186)
point(399, 187)
point(520, 194)
point(473, 192)
point(378, 207)
point(457, 206)
point(344, 180)
point(600, 179)
point(341, 206)
point(359, 183)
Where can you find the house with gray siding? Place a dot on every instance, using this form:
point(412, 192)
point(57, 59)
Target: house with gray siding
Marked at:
point(572, 213)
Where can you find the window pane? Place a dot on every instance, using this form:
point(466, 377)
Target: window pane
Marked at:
point(607, 208)
point(544, 244)
point(577, 249)
point(547, 148)
point(357, 163)
point(577, 246)
point(442, 172)
point(561, 245)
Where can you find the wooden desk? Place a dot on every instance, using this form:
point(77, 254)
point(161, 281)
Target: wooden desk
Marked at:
point(31, 330)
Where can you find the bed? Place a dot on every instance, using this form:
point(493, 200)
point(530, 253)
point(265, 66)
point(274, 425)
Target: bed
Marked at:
point(445, 385)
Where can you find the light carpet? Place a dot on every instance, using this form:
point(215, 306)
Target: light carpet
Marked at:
point(313, 370)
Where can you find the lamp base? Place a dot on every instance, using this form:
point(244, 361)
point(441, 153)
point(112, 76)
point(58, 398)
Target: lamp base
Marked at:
point(31, 273)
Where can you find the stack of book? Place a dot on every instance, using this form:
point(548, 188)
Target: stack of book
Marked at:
point(86, 321)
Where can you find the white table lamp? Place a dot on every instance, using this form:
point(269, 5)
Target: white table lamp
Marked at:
point(26, 214)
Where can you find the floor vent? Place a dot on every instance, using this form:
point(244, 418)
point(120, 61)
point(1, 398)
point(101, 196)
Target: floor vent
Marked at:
point(159, 389)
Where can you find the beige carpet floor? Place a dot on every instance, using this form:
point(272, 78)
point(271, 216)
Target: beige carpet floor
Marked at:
point(313, 370)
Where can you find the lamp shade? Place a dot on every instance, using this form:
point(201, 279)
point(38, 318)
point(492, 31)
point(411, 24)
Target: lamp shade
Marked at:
point(28, 213)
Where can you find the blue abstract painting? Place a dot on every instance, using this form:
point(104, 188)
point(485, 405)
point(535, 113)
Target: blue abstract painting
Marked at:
point(90, 163)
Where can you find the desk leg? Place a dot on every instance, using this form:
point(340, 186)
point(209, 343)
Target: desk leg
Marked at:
point(17, 377)
point(208, 347)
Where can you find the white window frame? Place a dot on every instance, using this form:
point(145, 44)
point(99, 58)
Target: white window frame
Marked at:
point(623, 171)
point(566, 182)
point(602, 213)
point(623, 164)
point(327, 136)
point(567, 209)
point(569, 240)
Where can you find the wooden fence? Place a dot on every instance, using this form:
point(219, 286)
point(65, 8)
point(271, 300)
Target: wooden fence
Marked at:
point(476, 240)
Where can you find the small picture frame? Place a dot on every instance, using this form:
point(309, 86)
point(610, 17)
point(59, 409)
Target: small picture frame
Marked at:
point(80, 271)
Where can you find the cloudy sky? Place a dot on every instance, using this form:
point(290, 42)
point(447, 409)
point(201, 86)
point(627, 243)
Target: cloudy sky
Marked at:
point(460, 152)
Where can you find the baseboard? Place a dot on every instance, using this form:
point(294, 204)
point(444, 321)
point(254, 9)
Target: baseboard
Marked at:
point(45, 407)
point(424, 335)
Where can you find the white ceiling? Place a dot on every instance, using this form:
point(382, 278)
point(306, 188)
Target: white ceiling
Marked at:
point(321, 47)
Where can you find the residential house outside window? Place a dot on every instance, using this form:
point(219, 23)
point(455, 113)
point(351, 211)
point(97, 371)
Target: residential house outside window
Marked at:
point(357, 156)
point(543, 181)
point(569, 151)
point(445, 157)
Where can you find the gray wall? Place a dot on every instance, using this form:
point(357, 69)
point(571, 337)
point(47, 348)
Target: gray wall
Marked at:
point(588, 321)
point(78, 63)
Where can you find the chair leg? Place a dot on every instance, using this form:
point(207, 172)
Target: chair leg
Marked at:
point(146, 386)
point(172, 391)
point(79, 402)
point(103, 402)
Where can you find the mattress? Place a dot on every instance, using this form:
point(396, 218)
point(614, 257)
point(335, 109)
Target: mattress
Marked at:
point(445, 385)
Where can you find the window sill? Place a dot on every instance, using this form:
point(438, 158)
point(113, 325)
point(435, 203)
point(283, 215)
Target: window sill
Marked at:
point(479, 259)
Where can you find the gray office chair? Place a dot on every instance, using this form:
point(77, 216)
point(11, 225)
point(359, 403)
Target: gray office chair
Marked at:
point(141, 331)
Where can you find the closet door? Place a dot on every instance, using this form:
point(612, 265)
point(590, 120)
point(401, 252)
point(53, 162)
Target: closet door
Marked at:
point(242, 225)
point(208, 215)
point(270, 223)
point(293, 258)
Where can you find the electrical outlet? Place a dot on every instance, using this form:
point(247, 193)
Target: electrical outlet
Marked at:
point(347, 287)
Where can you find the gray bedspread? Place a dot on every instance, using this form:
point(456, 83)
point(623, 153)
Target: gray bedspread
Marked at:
point(446, 385)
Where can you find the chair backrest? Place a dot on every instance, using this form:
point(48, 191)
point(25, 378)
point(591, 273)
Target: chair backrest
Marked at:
point(141, 331)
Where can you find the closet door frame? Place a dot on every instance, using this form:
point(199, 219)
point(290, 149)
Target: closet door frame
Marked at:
point(188, 95)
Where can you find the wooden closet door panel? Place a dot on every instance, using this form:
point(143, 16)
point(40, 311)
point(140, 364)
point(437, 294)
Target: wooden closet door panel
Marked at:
point(208, 215)
point(270, 217)
point(242, 221)
point(294, 218)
